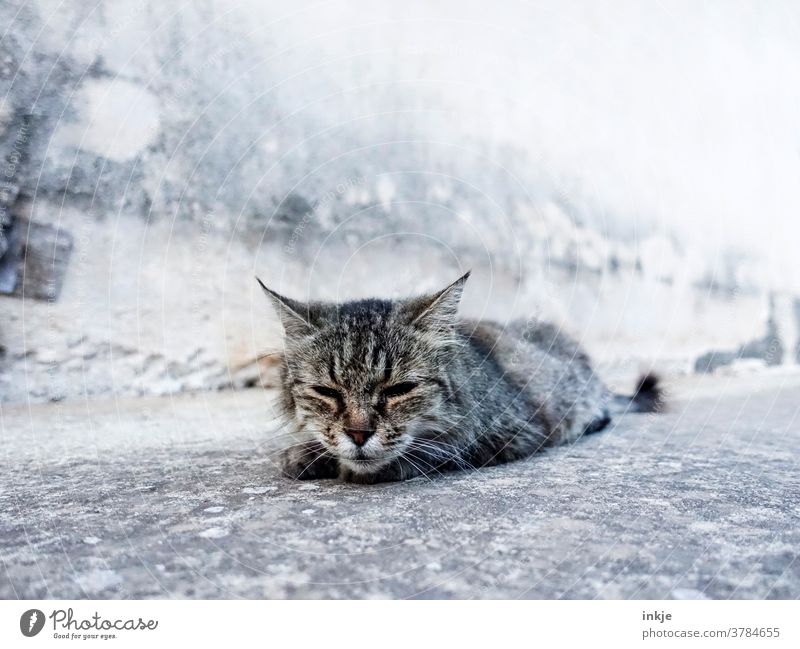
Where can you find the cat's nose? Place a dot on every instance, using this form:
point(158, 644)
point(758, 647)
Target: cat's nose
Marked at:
point(359, 435)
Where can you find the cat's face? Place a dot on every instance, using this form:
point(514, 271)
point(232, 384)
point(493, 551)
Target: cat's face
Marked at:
point(366, 378)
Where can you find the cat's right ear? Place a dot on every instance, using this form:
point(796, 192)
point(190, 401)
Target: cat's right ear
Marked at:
point(291, 312)
point(437, 312)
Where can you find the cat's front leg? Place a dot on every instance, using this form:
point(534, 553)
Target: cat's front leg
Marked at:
point(399, 469)
point(308, 461)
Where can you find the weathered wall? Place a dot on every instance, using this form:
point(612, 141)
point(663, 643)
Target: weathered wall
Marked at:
point(629, 172)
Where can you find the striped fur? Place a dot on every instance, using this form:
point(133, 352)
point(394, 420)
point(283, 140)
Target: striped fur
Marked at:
point(379, 390)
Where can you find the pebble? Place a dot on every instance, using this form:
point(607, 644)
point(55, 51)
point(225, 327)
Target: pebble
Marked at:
point(258, 490)
point(98, 580)
point(688, 593)
point(214, 533)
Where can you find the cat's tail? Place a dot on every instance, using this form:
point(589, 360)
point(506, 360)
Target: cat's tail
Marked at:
point(648, 396)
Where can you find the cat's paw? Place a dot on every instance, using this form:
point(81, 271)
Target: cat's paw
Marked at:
point(392, 472)
point(356, 477)
point(308, 461)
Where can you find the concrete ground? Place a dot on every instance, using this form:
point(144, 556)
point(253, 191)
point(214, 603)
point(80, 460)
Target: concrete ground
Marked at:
point(179, 498)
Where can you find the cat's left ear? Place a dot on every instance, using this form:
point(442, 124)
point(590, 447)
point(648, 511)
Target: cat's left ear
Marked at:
point(438, 311)
point(295, 316)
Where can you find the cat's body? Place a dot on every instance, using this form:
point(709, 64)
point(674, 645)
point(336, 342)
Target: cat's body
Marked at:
point(379, 390)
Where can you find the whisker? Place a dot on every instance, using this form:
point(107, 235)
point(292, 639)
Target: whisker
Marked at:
point(421, 471)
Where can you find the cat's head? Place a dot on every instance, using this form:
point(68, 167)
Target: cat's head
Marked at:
point(366, 377)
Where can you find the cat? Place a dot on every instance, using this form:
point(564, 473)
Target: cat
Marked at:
point(383, 390)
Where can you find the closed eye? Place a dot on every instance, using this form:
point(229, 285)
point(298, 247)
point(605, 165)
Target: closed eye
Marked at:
point(399, 389)
point(325, 391)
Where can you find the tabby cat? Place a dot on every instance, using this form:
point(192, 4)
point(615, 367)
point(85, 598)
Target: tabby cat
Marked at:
point(380, 390)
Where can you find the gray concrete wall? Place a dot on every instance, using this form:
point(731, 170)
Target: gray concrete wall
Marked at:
point(628, 173)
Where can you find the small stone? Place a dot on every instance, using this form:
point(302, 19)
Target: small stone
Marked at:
point(49, 356)
point(98, 580)
point(307, 512)
point(309, 487)
point(213, 510)
point(258, 490)
point(688, 593)
point(214, 533)
point(91, 540)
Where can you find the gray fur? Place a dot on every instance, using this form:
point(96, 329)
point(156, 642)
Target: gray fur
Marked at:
point(472, 394)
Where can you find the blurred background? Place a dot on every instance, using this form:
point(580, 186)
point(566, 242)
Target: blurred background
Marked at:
point(629, 170)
